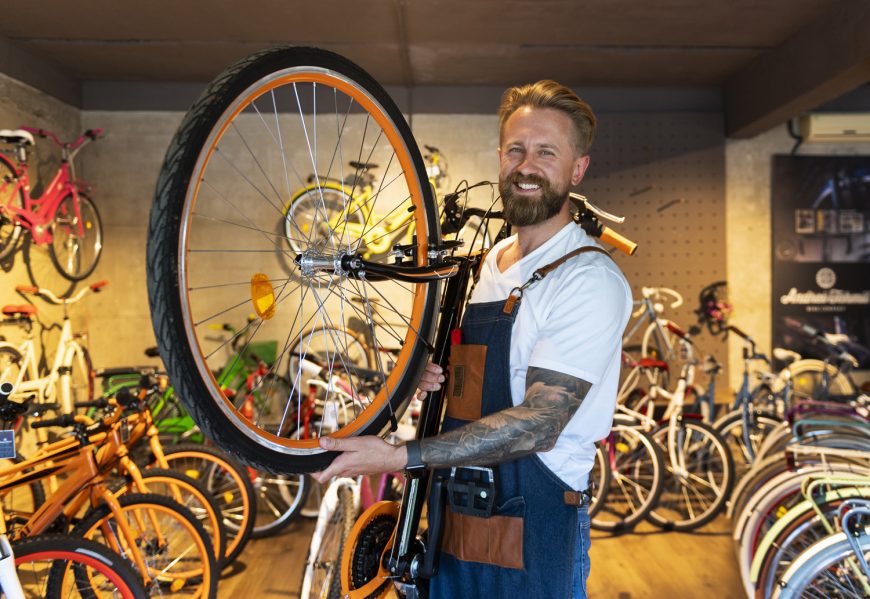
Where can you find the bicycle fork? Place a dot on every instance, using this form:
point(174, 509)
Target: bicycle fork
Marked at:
point(410, 559)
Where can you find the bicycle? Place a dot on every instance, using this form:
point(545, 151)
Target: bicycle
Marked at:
point(698, 467)
point(70, 377)
point(186, 294)
point(64, 217)
point(170, 549)
point(331, 211)
point(60, 565)
point(230, 483)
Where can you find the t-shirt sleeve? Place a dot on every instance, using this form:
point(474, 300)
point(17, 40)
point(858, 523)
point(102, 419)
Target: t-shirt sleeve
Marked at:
point(583, 324)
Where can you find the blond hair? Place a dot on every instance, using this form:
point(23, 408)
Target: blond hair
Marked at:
point(549, 94)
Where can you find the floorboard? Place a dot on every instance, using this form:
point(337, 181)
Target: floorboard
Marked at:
point(646, 564)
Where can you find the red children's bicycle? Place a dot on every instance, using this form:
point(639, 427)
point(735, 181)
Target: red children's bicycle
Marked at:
point(64, 218)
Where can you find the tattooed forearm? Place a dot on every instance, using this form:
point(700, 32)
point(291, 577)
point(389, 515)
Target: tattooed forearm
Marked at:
point(551, 400)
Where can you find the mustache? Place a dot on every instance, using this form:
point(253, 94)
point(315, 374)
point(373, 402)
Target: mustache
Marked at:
point(533, 179)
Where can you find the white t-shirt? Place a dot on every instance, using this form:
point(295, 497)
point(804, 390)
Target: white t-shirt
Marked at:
point(571, 321)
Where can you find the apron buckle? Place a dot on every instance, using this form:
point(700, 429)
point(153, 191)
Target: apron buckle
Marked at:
point(471, 491)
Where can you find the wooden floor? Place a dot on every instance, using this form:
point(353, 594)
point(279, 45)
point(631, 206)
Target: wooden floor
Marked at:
point(647, 564)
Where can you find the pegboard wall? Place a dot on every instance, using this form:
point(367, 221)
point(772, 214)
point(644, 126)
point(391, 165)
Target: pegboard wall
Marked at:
point(665, 172)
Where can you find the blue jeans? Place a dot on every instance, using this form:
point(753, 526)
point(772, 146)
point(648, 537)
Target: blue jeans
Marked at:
point(581, 554)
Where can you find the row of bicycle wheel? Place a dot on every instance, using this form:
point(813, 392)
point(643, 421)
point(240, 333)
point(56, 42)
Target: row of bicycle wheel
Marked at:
point(176, 514)
point(677, 476)
point(800, 513)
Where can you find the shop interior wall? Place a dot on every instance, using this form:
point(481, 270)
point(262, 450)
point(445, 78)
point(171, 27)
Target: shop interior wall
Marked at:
point(665, 171)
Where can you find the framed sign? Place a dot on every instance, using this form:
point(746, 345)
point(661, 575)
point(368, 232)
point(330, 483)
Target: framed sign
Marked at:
point(820, 215)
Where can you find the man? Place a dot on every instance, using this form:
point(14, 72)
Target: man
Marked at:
point(549, 351)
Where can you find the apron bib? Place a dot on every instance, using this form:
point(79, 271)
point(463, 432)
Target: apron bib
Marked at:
point(527, 546)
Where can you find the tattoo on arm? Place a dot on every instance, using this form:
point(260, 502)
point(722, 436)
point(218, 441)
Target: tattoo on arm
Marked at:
point(551, 400)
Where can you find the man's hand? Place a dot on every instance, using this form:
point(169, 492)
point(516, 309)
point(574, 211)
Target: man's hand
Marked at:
point(431, 380)
point(372, 455)
point(362, 455)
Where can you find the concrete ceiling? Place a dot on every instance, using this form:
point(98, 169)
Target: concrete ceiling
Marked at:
point(771, 59)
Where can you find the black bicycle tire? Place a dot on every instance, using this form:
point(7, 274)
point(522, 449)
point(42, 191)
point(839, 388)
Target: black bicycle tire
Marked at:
point(203, 399)
point(600, 485)
point(84, 199)
point(348, 518)
point(242, 535)
point(719, 503)
point(7, 248)
point(93, 516)
point(629, 522)
point(78, 550)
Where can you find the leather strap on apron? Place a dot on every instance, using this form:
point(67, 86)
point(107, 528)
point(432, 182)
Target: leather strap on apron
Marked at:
point(517, 292)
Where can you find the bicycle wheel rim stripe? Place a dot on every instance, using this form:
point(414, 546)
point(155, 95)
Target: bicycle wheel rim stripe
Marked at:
point(378, 113)
point(81, 557)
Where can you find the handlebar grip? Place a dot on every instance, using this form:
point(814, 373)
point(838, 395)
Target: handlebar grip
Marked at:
point(65, 420)
point(5, 391)
point(152, 352)
point(621, 243)
point(27, 289)
point(95, 133)
point(98, 285)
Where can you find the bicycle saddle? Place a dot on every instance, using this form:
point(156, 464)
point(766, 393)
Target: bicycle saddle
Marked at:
point(26, 310)
point(363, 166)
point(652, 363)
point(785, 355)
point(19, 136)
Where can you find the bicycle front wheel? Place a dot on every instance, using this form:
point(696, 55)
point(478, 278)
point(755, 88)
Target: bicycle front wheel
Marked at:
point(173, 547)
point(699, 476)
point(77, 237)
point(218, 247)
point(57, 566)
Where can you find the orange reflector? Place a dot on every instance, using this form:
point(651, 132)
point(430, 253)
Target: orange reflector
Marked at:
point(622, 447)
point(263, 296)
point(228, 497)
point(194, 474)
point(177, 585)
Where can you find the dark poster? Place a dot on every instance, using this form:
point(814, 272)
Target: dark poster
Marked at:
point(821, 251)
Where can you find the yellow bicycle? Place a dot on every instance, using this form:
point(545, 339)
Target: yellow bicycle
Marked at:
point(332, 213)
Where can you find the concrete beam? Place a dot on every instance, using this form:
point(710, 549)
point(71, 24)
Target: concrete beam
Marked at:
point(824, 60)
point(37, 72)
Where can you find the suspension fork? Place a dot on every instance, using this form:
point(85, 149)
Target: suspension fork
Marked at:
point(408, 558)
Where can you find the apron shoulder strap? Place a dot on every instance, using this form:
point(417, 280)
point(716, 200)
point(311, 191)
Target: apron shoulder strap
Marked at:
point(517, 293)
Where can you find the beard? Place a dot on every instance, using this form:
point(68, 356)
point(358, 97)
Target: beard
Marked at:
point(523, 211)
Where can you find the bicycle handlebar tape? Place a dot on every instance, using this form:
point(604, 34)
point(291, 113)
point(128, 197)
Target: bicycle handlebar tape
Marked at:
point(623, 244)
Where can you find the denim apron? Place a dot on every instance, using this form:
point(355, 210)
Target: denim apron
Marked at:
point(527, 547)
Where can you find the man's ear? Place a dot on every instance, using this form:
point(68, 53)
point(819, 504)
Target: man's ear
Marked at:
point(579, 169)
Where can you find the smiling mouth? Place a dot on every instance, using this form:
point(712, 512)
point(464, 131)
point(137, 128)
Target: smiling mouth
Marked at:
point(528, 186)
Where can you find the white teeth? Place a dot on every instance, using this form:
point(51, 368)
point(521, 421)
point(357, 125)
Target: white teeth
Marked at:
point(527, 186)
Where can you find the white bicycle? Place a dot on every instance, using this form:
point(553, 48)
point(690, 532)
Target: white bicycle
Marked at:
point(70, 378)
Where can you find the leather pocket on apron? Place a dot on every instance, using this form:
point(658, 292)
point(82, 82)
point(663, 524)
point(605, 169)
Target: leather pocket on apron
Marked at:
point(497, 540)
point(465, 380)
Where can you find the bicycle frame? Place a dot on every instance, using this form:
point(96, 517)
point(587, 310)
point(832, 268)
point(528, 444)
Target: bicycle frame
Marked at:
point(38, 213)
point(45, 388)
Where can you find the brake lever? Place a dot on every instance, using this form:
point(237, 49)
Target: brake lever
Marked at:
point(581, 202)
